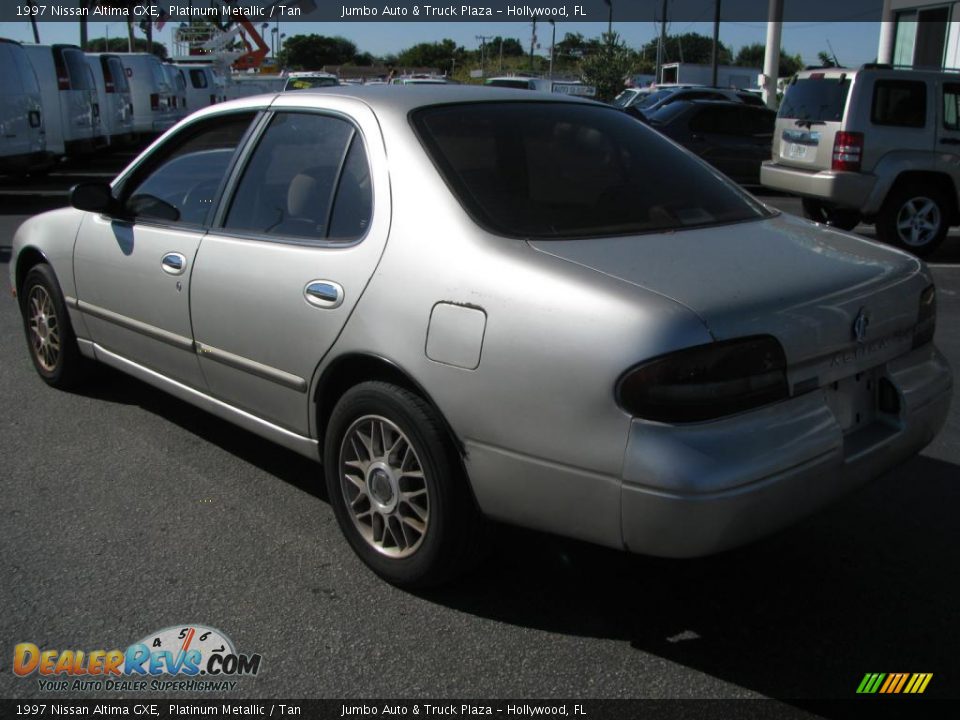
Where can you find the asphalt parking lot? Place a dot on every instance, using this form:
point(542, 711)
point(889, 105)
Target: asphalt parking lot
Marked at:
point(126, 511)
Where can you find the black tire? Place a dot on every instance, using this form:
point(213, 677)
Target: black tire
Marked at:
point(440, 501)
point(50, 338)
point(927, 204)
point(821, 212)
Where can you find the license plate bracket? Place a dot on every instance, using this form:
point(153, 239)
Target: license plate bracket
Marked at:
point(853, 400)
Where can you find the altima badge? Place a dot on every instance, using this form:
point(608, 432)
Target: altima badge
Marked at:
point(860, 325)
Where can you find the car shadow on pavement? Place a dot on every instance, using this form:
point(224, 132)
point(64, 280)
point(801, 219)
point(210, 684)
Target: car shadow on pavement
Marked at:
point(113, 386)
point(868, 585)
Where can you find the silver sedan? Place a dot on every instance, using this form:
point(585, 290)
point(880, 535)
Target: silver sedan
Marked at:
point(472, 306)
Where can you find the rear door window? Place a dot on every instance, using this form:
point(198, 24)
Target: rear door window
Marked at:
point(901, 103)
point(818, 99)
point(307, 179)
point(118, 75)
point(198, 78)
point(76, 62)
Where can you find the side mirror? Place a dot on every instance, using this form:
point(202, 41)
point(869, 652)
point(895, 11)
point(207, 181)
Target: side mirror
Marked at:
point(93, 197)
point(148, 206)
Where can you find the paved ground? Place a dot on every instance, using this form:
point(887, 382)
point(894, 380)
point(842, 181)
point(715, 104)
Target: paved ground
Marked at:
point(125, 511)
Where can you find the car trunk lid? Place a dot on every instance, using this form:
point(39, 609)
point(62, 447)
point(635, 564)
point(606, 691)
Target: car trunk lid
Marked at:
point(838, 304)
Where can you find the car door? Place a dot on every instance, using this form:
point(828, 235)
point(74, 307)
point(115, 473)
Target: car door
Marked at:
point(133, 272)
point(290, 254)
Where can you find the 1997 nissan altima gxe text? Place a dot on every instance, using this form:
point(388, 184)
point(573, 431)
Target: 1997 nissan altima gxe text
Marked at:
point(471, 304)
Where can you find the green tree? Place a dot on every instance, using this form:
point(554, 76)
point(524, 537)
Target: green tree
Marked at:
point(442, 55)
point(312, 52)
point(511, 47)
point(119, 44)
point(826, 59)
point(574, 46)
point(689, 48)
point(608, 67)
point(755, 54)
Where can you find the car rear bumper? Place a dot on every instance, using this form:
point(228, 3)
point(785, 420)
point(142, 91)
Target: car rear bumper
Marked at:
point(700, 489)
point(844, 189)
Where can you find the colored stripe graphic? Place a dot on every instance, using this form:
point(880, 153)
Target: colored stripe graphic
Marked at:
point(894, 683)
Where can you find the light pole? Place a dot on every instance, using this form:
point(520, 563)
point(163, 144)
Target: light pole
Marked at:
point(609, 16)
point(553, 42)
point(483, 44)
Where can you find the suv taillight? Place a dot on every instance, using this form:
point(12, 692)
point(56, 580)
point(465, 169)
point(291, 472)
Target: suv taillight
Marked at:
point(847, 151)
point(154, 101)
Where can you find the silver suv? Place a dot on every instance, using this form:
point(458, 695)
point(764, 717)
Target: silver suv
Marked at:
point(876, 145)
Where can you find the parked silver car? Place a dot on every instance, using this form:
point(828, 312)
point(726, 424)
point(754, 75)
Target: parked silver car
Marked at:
point(473, 303)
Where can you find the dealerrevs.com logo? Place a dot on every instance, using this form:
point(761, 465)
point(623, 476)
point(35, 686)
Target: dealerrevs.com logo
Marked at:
point(189, 658)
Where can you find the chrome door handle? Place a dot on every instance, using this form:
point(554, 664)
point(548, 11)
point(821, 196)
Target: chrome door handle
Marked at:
point(173, 263)
point(324, 293)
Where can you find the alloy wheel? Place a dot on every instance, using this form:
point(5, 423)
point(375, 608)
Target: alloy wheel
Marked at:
point(383, 485)
point(918, 221)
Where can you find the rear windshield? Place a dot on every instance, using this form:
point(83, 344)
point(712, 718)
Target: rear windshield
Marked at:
point(159, 76)
point(817, 99)
point(76, 63)
point(560, 170)
point(516, 84)
point(118, 75)
point(305, 83)
point(653, 98)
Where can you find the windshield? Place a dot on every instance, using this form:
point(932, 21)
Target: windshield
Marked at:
point(549, 170)
point(820, 99)
point(305, 83)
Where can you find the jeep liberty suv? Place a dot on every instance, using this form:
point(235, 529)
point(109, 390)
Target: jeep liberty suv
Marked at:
point(876, 145)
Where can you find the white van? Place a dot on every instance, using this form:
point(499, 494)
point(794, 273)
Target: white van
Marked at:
point(152, 95)
point(71, 108)
point(563, 87)
point(204, 88)
point(113, 95)
point(23, 141)
point(179, 88)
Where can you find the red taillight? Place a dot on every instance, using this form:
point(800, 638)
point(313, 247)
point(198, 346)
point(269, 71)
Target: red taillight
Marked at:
point(707, 381)
point(847, 151)
point(154, 101)
point(213, 99)
point(63, 82)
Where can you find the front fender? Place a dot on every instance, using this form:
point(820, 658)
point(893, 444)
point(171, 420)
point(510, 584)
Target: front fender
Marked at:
point(50, 235)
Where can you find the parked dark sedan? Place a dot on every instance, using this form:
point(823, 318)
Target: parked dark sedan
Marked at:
point(733, 137)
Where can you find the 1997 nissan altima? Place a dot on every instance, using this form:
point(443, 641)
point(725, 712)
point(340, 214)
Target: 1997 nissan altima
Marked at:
point(471, 304)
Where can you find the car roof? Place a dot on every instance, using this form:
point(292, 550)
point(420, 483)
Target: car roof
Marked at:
point(411, 97)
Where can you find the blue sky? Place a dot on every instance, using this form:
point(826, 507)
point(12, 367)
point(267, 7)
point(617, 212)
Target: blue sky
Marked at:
point(854, 42)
